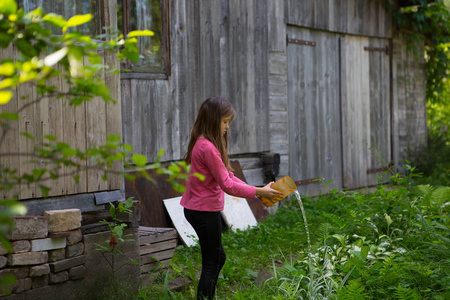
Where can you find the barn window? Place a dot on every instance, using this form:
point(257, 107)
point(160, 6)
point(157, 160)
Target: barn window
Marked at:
point(67, 9)
point(154, 50)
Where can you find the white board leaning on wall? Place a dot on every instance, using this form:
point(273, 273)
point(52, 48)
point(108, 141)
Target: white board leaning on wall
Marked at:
point(236, 214)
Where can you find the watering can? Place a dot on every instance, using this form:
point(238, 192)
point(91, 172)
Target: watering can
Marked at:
point(285, 185)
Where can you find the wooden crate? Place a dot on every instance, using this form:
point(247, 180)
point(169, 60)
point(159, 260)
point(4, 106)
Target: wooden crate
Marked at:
point(157, 246)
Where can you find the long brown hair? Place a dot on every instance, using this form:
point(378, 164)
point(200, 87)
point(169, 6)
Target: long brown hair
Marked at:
point(208, 124)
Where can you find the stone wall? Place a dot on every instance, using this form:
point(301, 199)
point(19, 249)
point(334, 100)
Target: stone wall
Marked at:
point(55, 257)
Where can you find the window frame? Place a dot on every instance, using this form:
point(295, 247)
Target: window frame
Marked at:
point(165, 71)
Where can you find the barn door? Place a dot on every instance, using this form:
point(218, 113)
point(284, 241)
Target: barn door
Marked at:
point(314, 109)
point(365, 110)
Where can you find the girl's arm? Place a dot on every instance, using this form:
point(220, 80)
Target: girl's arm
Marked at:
point(265, 191)
point(227, 181)
point(232, 176)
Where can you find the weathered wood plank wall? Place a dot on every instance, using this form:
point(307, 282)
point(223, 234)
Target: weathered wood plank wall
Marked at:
point(361, 96)
point(314, 109)
point(380, 99)
point(10, 143)
point(410, 116)
point(234, 48)
point(355, 111)
point(359, 17)
point(217, 48)
point(238, 49)
point(370, 143)
point(278, 90)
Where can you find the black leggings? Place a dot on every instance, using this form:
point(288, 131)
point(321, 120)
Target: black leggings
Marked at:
point(208, 226)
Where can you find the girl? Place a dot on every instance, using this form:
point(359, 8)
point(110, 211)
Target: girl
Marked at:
point(203, 200)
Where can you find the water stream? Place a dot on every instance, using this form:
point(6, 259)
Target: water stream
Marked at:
point(299, 199)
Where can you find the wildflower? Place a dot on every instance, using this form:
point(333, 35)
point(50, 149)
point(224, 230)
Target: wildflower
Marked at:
point(113, 241)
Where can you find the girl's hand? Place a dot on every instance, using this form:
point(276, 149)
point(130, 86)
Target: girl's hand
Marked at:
point(268, 192)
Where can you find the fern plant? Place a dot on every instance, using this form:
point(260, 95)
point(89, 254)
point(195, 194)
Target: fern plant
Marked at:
point(405, 293)
point(354, 290)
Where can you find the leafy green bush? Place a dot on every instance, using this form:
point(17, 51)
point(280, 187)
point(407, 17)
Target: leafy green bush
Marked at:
point(433, 162)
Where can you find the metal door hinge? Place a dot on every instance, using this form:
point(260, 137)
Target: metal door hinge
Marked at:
point(377, 49)
point(301, 42)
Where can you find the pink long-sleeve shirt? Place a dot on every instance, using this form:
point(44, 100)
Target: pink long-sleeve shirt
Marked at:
point(208, 195)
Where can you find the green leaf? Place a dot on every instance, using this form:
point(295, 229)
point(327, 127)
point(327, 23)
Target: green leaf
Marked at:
point(45, 190)
point(118, 230)
point(8, 7)
point(112, 210)
point(114, 138)
point(174, 168)
point(5, 97)
point(178, 187)
point(55, 20)
point(62, 146)
point(77, 20)
point(134, 262)
point(8, 82)
point(139, 159)
point(136, 33)
point(95, 60)
point(76, 178)
point(339, 237)
point(26, 48)
point(129, 177)
point(71, 36)
point(199, 176)
point(50, 137)
point(129, 202)
point(290, 268)
point(361, 254)
point(27, 135)
point(131, 56)
point(7, 69)
point(9, 116)
point(87, 40)
point(128, 147)
point(38, 173)
point(5, 39)
point(364, 251)
point(68, 152)
point(36, 12)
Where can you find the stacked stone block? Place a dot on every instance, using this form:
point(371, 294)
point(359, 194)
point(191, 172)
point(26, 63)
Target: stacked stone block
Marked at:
point(46, 250)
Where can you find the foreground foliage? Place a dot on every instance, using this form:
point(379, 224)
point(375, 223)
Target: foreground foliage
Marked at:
point(388, 243)
point(428, 23)
point(38, 51)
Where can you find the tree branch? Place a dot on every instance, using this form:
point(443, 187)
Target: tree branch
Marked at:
point(39, 99)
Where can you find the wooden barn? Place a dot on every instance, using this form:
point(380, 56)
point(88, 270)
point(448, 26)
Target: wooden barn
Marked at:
point(329, 86)
point(322, 89)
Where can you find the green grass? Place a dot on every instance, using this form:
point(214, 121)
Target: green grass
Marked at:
point(391, 243)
